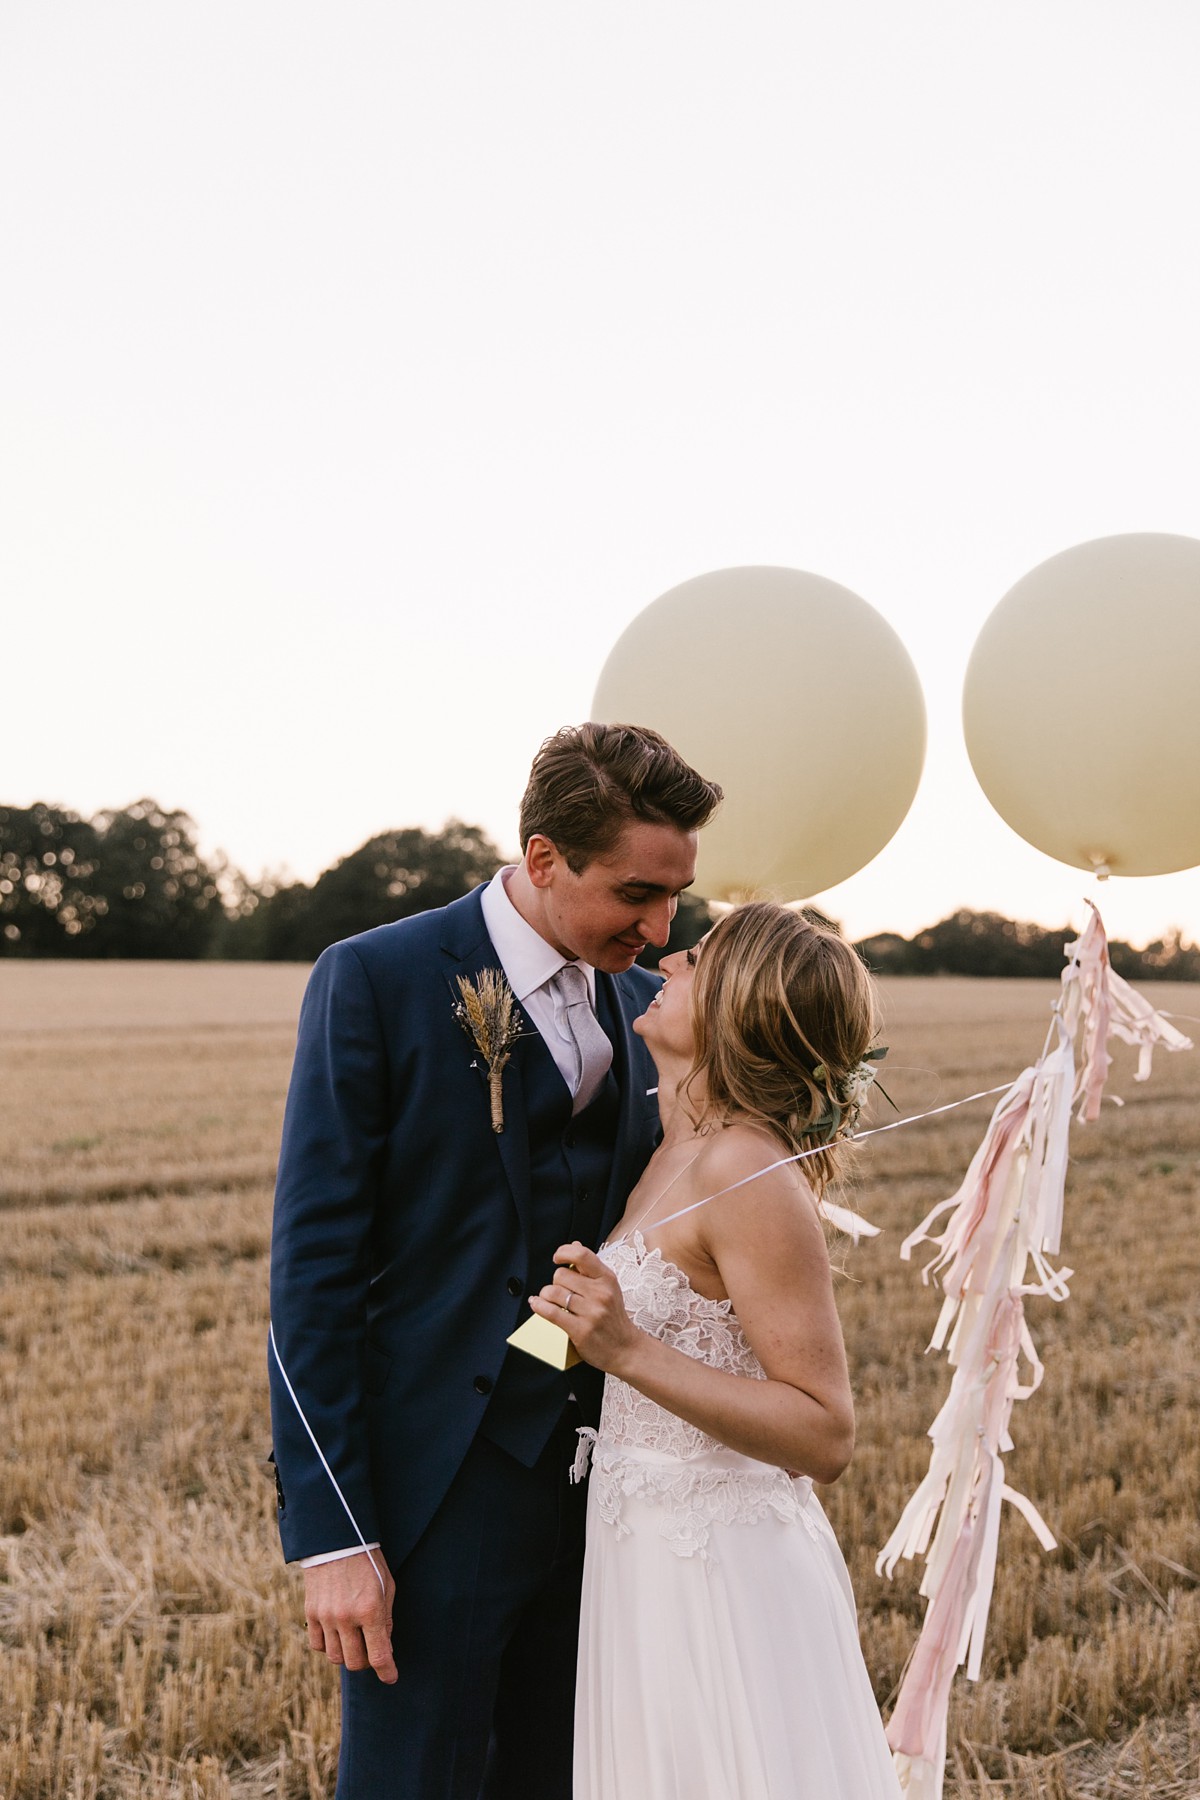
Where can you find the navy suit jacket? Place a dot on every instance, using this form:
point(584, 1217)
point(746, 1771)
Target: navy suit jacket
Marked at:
point(399, 1257)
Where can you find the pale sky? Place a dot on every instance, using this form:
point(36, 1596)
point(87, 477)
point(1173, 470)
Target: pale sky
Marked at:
point(367, 368)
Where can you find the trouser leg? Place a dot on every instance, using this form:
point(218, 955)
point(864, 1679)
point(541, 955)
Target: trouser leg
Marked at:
point(496, 1572)
point(534, 1719)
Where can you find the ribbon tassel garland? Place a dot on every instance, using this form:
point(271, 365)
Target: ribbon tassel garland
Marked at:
point(1005, 1222)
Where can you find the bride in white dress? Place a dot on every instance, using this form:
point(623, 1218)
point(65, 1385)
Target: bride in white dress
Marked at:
point(718, 1651)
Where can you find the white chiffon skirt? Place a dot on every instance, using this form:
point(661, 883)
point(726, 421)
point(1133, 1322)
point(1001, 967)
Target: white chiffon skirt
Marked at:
point(730, 1674)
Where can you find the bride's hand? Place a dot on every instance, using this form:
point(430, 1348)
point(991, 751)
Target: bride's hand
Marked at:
point(585, 1299)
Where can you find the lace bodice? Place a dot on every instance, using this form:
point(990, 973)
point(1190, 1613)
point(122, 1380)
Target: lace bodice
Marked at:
point(660, 1299)
point(642, 1449)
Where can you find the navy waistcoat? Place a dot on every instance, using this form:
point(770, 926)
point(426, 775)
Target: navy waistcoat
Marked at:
point(570, 1161)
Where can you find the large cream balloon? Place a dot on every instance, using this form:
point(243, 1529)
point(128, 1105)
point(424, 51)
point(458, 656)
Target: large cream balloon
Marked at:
point(1081, 705)
point(799, 699)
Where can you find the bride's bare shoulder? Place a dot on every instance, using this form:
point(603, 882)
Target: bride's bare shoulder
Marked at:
point(761, 1210)
point(741, 1149)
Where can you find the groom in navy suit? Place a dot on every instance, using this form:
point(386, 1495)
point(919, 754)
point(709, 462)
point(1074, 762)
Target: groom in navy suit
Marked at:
point(422, 1465)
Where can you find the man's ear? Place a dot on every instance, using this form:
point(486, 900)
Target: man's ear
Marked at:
point(541, 860)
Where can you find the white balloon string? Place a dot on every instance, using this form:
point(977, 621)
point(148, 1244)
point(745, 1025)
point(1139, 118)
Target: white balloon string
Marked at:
point(324, 1464)
point(875, 1131)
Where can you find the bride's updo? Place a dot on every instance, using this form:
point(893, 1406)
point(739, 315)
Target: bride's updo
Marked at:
point(783, 1014)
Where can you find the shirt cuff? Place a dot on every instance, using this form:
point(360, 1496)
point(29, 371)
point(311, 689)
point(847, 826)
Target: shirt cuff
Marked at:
point(311, 1562)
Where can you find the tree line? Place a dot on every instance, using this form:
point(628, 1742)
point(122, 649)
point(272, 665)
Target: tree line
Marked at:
point(131, 882)
point(986, 943)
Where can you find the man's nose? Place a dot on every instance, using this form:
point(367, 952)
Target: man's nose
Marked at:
point(655, 922)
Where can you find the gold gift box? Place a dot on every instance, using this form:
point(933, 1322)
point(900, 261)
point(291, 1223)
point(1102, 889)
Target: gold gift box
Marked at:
point(549, 1343)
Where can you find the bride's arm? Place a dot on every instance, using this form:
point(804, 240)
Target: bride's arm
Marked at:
point(769, 1246)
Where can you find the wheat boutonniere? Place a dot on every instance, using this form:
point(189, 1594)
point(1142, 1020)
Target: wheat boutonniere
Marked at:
point(488, 1014)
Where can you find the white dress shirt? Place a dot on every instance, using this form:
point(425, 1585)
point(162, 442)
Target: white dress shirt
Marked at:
point(530, 964)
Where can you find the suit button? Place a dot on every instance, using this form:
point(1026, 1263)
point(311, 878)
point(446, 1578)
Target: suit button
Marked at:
point(483, 1384)
point(515, 1284)
point(585, 1193)
point(569, 1139)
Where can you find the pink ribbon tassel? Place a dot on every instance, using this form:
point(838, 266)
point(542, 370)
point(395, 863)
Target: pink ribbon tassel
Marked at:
point(1004, 1223)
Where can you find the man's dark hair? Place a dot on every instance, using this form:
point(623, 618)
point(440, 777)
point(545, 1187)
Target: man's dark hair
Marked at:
point(589, 781)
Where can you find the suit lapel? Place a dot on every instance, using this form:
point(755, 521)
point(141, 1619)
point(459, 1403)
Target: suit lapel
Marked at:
point(467, 950)
point(624, 1004)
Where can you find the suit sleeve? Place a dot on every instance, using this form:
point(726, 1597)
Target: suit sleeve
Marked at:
point(326, 1194)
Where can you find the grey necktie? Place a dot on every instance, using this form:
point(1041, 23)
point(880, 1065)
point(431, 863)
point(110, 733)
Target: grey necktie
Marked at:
point(593, 1052)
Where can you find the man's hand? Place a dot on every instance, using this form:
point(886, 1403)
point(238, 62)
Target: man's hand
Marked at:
point(349, 1615)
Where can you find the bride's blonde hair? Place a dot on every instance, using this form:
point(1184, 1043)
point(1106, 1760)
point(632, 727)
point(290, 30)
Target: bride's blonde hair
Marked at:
point(783, 1012)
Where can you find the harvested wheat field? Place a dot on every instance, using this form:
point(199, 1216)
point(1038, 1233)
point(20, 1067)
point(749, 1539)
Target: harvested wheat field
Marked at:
point(151, 1642)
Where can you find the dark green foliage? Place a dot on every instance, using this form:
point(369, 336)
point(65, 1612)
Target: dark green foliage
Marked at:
point(131, 883)
point(388, 878)
point(127, 883)
point(969, 943)
point(50, 900)
point(162, 897)
point(1168, 959)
